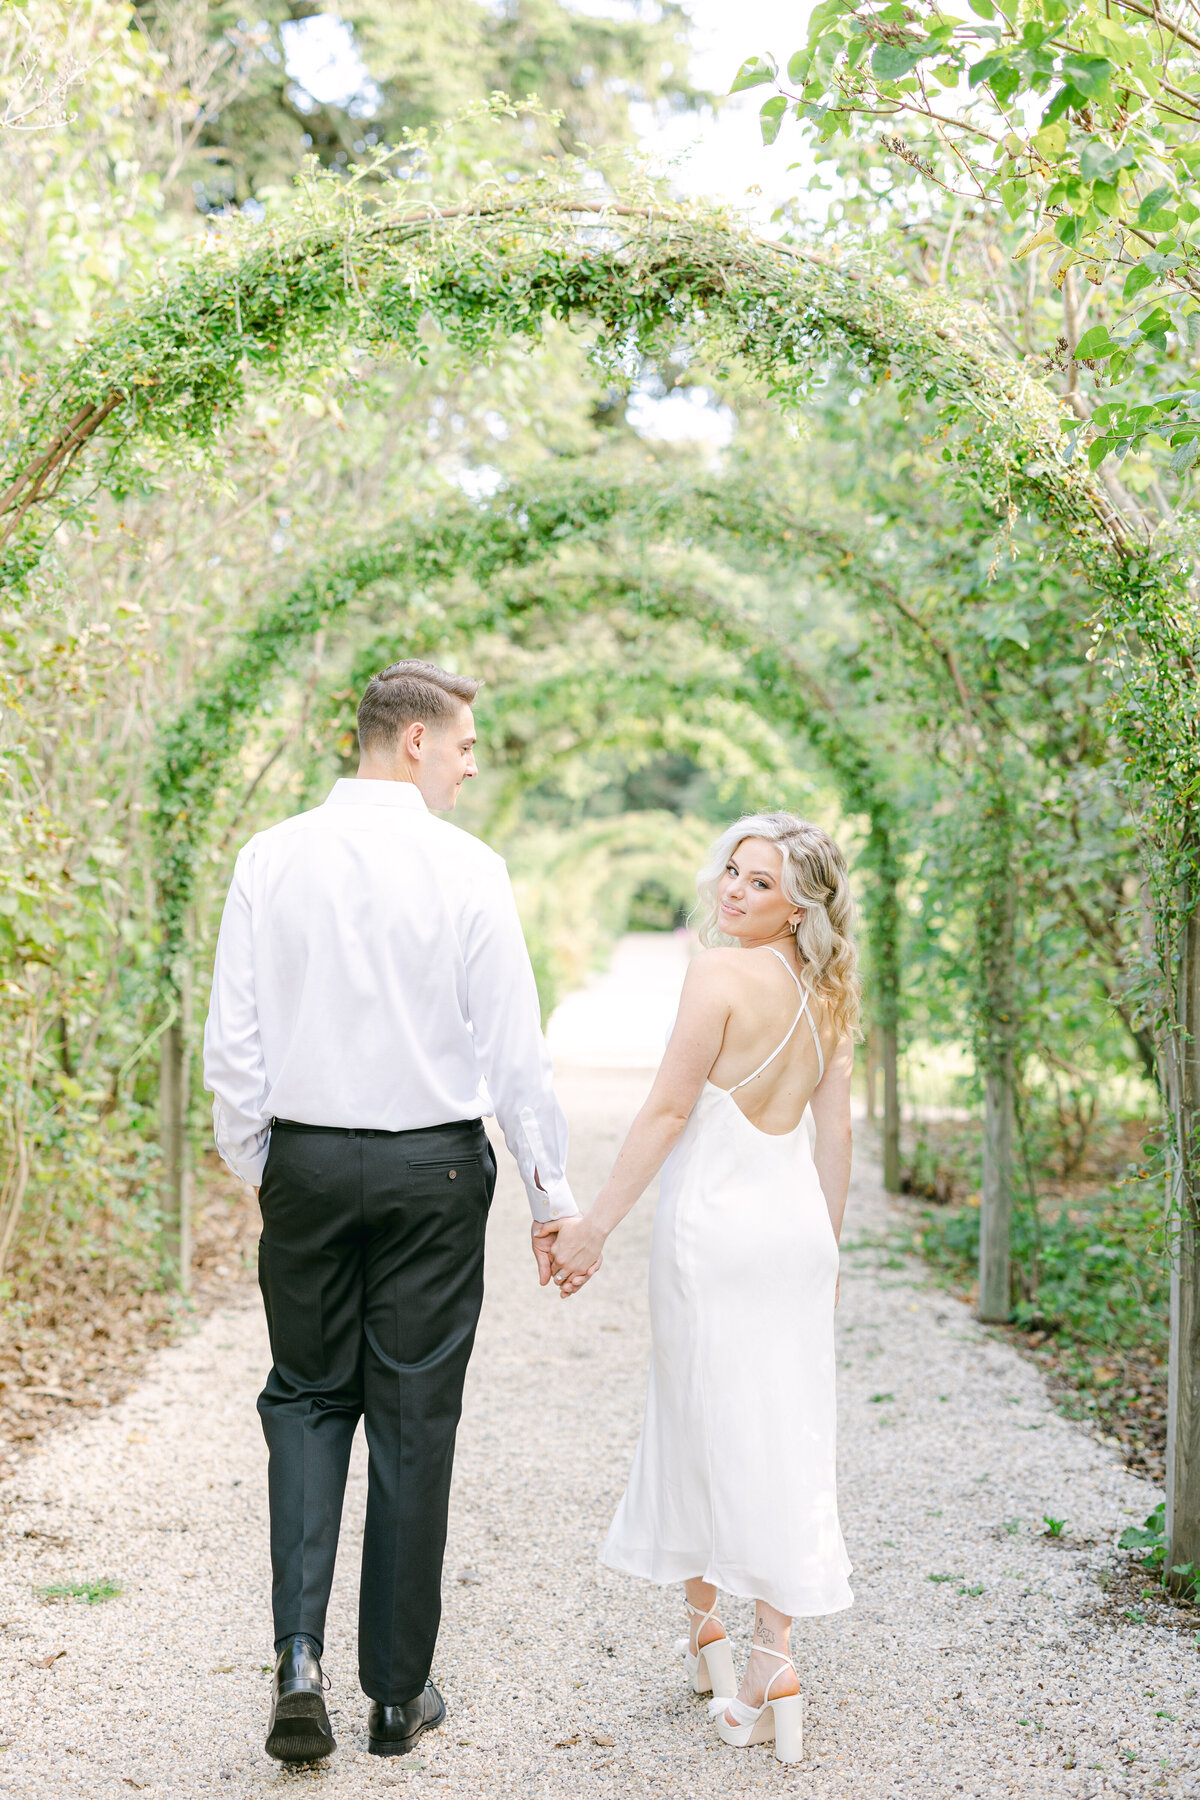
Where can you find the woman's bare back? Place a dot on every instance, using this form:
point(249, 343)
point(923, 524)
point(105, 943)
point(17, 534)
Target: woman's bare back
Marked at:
point(766, 1002)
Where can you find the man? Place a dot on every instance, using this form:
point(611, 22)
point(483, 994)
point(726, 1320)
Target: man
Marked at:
point(370, 971)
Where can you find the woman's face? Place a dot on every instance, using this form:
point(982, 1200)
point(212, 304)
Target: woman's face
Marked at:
point(751, 903)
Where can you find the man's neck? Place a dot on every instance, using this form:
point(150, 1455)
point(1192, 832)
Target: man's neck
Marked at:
point(371, 771)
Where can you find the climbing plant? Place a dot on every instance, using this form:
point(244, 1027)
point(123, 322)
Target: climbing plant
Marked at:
point(515, 530)
point(199, 747)
point(358, 272)
point(392, 577)
point(530, 521)
point(355, 269)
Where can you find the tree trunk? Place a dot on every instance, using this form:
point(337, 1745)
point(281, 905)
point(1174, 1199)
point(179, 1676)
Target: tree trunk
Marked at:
point(172, 1133)
point(1183, 1381)
point(891, 1109)
point(885, 966)
point(872, 1061)
point(176, 1188)
point(996, 1034)
point(995, 1216)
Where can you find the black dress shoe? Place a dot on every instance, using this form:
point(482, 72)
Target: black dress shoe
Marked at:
point(394, 1730)
point(299, 1729)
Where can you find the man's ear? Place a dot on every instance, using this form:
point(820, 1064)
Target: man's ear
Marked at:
point(413, 736)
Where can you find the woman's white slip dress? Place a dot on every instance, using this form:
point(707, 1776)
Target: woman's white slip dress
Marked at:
point(734, 1477)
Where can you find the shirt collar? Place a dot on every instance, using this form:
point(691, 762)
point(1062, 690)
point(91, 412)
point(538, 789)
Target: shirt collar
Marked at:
point(358, 792)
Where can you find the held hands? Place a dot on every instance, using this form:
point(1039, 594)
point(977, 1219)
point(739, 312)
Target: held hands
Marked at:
point(569, 1249)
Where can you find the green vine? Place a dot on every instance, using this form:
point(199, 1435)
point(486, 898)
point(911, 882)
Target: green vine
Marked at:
point(516, 531)
point(278, 302)
point(270, 302)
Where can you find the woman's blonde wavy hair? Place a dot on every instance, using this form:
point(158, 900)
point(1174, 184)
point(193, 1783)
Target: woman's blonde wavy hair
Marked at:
point(815, 880)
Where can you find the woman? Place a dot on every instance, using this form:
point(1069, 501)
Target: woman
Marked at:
point(733, 1483)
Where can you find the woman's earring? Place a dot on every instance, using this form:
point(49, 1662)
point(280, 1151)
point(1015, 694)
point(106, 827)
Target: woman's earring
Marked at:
point(794, 925)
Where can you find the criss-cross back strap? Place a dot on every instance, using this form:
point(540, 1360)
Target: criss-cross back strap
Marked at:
point(787, 1040)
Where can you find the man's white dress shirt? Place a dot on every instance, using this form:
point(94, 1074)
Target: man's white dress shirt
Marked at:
point(371, 972)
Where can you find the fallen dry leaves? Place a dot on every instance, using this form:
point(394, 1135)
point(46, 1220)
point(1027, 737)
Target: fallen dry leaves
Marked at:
point(67, 1344)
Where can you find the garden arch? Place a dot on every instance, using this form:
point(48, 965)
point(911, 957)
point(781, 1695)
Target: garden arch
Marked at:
point(274, 301)
point(514, 532)
point(529, 521)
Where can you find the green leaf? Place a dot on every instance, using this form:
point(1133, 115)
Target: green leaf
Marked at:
point(1097, 162)
point(1152, 203)
point(1094, 345)
point(1066, 97)
point(1005, 83)
point(1090, 74)
point(1138, 1537)
point(1106, 199)
point(1014, 195)
point(770, 117)
point(891, 62)
point(1137, 279)
point(984, 69)
point(858, 48)
point(1156, 327)
point(754, 72)
point(1098, 449)
point(982, 9)
point(1185, 456)
point(798, 66)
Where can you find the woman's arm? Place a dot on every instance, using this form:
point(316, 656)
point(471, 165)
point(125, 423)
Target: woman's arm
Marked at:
point(831, 1116)
point(694, 1046)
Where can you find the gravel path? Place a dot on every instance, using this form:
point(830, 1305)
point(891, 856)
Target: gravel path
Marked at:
point(980, 1658)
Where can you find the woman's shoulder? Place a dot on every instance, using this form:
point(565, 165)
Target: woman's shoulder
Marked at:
point(723, 967)
point(703, 964)
point(711, 971)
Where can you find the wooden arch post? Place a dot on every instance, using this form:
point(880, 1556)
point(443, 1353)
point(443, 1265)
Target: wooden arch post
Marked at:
point(174, 1095)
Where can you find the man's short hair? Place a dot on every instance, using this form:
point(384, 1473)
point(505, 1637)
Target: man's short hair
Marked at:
point(406, 692)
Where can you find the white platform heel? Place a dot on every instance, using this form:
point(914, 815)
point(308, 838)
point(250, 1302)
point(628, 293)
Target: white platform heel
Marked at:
point(781, 1719)
point(710, 1671)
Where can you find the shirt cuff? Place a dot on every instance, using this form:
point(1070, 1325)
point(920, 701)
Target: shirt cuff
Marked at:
point(248, 1170)
point(556, 1202)
point(247, 1157)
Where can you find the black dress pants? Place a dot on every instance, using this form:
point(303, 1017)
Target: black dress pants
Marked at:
point(371, 1269)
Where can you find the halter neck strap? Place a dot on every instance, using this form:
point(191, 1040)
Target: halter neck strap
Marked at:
point(803, 991)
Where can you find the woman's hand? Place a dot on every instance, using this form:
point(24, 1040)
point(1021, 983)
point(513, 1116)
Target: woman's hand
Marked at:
point(575, 1251)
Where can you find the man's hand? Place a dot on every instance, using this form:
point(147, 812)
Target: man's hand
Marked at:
point(542, 1237)
point(576, 1252)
